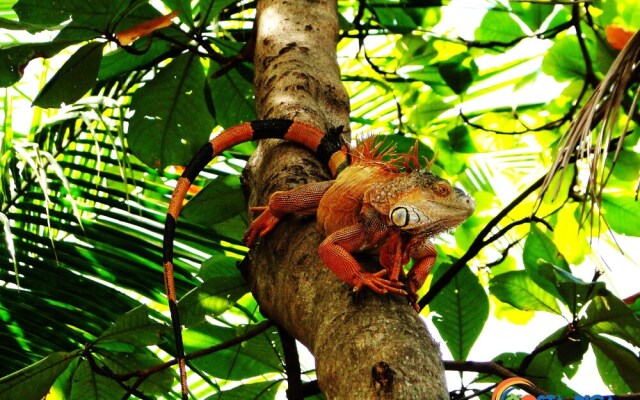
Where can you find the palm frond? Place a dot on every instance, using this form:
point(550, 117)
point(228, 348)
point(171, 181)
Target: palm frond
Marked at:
point(595, 132)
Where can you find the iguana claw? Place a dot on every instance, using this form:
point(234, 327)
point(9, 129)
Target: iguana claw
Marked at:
point(260, 226)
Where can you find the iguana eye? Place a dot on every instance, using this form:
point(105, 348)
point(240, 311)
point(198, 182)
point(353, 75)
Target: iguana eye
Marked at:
point(442, 189)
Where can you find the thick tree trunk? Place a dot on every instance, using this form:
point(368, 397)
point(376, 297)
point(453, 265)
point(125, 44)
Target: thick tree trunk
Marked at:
point(366, 346)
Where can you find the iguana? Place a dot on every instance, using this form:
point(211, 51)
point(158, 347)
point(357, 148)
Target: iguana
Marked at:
point(376, 203)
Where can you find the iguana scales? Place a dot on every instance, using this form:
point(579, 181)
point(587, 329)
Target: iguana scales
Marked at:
point(373, 204)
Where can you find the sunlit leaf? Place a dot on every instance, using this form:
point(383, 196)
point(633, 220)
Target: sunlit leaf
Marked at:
point(134, 327)
point(219, 201)
point(622, 213)
point(171, 121)
point(211, 298)
point(519, 290)
point(498, 26)
point(89, 385)
point(232, 95)
point(617, 365)
point(461, 311)
point(73, 79)
point(609, 315)
point(253, 358)
point(34, 381)
point(255, 391)
point(564, 60)
point(13, 60)
point(539, 246)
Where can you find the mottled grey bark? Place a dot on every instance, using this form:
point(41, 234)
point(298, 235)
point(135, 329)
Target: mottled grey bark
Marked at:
point(297, 77)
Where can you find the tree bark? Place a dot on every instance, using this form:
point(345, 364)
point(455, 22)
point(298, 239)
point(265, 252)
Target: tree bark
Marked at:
point(366, 346)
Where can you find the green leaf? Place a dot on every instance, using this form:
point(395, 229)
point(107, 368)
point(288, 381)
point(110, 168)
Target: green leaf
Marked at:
point(498, 26)
point(211, 298)
point(254, 391)
point(626, 167)
point(211, 9)
point(458, 72)
point(89, 385)
point(160, 382)
point(77, 76)
point(219, 201)
point(232, 96)
point(618, 366)
point(622, 213)
point(547, 370)
point(610, 315)
point(134, 327)
point(573, 291)
point(120, 62)
point(564, 60)
point(88, 19)
point(461, 311)
point(171, 120)
point(218, 265)
point(532, 14)
point(519, 290)
point(34, 381)
point(539, 246)
point(460, 139)
point(255, 357)
point(13, 60)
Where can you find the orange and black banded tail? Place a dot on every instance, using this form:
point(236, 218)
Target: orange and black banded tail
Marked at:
point(330, 149)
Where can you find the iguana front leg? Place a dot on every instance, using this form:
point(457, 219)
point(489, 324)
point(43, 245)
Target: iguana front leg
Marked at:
point(335, 251)
point(425, 254)
point(301, 200)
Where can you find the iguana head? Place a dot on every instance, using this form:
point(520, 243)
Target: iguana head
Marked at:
point(422, 203)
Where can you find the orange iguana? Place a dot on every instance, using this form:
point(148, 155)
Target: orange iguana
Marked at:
point(372, 205)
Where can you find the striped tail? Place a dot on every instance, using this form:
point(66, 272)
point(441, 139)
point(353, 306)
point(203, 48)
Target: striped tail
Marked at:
point(329, 148)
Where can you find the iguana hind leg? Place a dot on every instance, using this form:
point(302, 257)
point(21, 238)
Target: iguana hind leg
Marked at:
point(301, 200)
point(425, 254)
point(335, 251)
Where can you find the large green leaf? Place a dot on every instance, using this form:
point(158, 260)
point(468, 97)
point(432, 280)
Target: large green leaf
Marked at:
point(160, 382)
point(34, 381)
point(211, 298)
point(219, 201)
point(461, 311)
point(254, 391)
point(564, 60)
point(547, 369)
point(618, 365)
point(171, 120)
point(75, 78)
point(232, 96)
point(519, 290)
point(539, 246)
point(573, 291)
point(134, 327)
point(498, 26)
point(87, 384)
point(13, 60)
point(609, 315)
point(253, 358)
point(622, 213)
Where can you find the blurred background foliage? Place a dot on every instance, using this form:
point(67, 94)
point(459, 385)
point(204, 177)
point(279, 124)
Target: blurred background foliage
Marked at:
point(97, 125)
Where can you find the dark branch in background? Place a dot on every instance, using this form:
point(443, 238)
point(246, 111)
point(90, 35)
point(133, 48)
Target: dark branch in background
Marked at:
point(548, 34)
point(490, 368)
point(292, 365)
point(503, 254)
